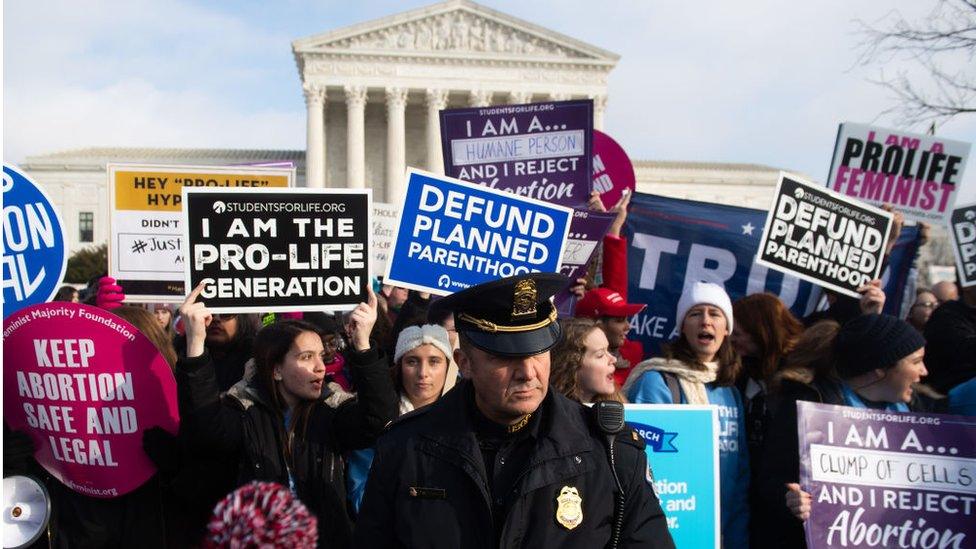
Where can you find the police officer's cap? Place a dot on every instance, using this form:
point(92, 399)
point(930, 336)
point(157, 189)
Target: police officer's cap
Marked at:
point(509, 317)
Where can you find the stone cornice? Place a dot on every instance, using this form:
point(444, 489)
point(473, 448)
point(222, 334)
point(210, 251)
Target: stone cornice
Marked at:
point(454, 60)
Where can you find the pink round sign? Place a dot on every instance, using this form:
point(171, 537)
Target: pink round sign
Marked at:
point(612, 169)
point(85, 384)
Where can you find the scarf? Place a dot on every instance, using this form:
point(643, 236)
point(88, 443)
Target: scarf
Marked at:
point(405, 405)
point(691, 381)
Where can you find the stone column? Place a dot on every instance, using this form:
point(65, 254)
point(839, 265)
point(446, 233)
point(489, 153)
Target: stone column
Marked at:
point(479, 98)
point(519, 97)
point(315, 135)
point(396, 103)
point(599, 107)
point(436, 102)
point(355, 137)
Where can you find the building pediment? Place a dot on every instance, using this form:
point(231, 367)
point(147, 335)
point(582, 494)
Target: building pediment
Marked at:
point(457, 28)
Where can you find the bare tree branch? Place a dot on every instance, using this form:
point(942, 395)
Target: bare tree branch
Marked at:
point(947, 36)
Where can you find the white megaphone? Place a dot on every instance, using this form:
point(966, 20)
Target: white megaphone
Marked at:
point(26, 511)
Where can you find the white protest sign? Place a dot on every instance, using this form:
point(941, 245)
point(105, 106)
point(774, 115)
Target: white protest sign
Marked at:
point(919, 175)
point(384, 223)
point(962, 231)
point(145, 225)
point(824, 237)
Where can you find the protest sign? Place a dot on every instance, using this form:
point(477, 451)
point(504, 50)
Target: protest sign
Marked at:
point(538, 150)
point(887, 479)
point(145, 202)
point(271, 250)
point(683, 456)
point(962, 231)
point(612, 170)
point(453, 235)
point(674, 243)
point(85, 384)
point(918, 174)
point(821, 236)
point(384, 222)
point(34, 255)
point(586, 232)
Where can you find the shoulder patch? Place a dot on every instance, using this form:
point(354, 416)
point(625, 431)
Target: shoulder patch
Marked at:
point(630, 437)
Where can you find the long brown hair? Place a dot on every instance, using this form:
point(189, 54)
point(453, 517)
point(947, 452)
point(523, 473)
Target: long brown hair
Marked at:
point(773, 328)
point(566, 359)
point(146, 323)
point(813, 355)
point(271, 344)
point(729, 363)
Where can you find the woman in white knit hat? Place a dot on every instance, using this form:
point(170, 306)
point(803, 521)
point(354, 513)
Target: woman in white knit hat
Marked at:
point(700, 367)
point(423, 370)
point(423, 367)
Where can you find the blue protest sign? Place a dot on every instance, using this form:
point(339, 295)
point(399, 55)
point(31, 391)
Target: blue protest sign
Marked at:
point(453, 235)
point(674, 243)
point(682, 452)
point(34, 255)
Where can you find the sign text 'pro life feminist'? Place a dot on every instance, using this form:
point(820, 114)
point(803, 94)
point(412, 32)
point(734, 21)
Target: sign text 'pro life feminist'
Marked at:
point(917, 174)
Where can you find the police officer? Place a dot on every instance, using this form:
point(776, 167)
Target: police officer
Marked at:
point(501, 461)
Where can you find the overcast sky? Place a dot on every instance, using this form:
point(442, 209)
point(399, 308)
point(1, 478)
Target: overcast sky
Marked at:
point(754, 81)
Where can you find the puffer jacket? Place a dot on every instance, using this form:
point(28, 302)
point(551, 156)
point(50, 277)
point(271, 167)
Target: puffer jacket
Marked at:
point(243, 429)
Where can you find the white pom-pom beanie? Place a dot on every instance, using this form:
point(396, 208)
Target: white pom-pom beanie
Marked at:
point(708, 293)
point(429, 334)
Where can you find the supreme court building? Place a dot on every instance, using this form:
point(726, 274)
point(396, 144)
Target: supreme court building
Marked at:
point(372, 95)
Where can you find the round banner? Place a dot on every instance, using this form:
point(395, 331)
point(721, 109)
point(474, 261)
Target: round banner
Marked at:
point(85, 384)
point(34, 256)
point(612, 169)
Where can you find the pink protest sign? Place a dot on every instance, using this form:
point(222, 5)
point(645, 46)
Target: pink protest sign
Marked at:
point(84, 384)
point(612, 169)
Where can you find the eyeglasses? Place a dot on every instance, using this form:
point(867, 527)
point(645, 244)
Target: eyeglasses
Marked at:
point(224, 317)
point(926, 304)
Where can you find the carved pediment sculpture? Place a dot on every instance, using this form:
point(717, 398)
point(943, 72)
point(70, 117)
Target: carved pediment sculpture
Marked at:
point(458, 30)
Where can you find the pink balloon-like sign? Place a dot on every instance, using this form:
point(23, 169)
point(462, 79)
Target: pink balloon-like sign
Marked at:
point(85, 384)
point(612, 170)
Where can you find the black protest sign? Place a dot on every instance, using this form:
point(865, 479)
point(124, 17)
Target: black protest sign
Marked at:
point(278, 249)
point(962, 230)
point(823, 237)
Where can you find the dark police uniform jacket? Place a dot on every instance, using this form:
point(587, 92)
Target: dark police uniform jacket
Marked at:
point(427, 486)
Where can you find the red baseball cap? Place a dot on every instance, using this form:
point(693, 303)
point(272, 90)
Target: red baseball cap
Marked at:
point(605, 302)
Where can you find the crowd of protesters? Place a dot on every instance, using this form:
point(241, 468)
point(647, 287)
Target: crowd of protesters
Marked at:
point(279, 422)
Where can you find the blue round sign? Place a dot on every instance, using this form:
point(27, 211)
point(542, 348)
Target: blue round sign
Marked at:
point(34, 255)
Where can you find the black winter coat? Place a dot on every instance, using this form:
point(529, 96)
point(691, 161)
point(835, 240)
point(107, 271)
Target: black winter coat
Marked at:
point(243, 429)
point(428, 487)
point(950, 345)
